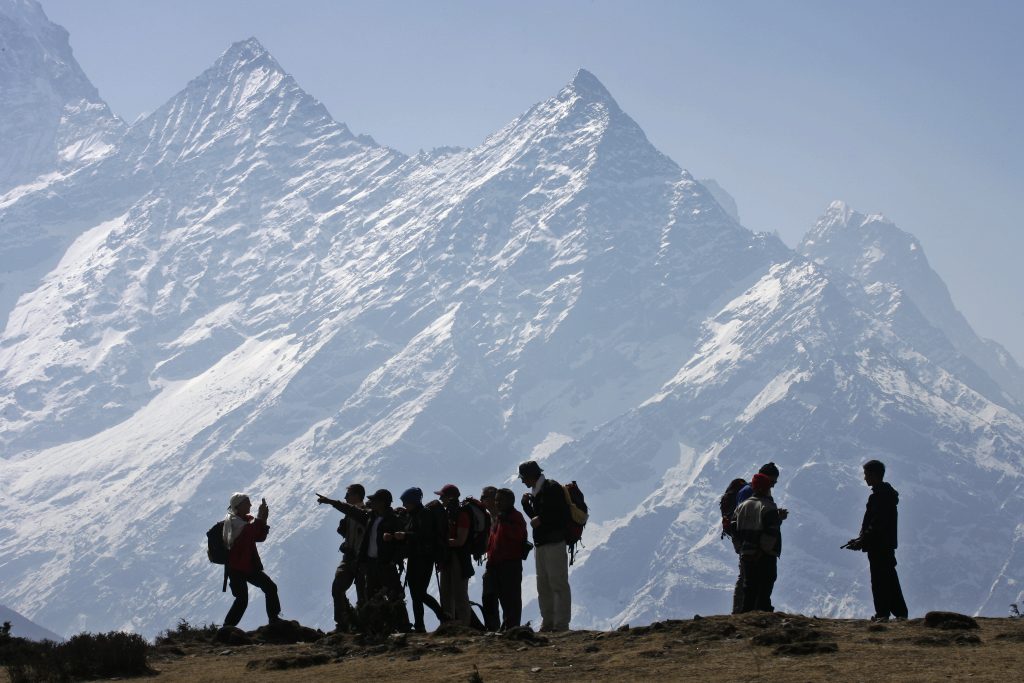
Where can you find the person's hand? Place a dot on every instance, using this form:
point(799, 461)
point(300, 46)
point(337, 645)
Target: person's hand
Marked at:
point(322, 499)
point(399, 535)
point(387, 536)
point(783, 513)
point(264, 511)
point(535, 522)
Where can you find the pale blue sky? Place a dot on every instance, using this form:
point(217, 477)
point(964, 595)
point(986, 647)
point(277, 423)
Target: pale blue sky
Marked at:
point(910, 108)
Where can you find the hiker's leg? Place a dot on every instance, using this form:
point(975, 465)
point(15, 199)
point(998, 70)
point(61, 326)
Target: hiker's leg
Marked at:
point(879, 583)
point(460, 582)
point(749, 583)
point(489, 598)
point(737, 593)
point(897, 603)
point(446, 589)
point(561, 593)
point(269, 588)
point(240, 591)
point(768, 576)
point(344, 577)
point(360, 571)
point(417, 587)
point(544, 599)
point(395, 594)
point(510, 593)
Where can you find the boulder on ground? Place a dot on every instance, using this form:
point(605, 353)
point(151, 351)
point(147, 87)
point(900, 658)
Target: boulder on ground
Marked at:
point(231, 635)
point(949, 620)
point(286, 632)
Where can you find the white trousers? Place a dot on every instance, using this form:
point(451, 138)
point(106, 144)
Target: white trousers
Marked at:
point(553, 592)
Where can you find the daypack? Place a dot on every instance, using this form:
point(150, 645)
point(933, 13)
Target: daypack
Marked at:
point(579, 513)
point(216, 551)
point(727, 505)
point(479, 528)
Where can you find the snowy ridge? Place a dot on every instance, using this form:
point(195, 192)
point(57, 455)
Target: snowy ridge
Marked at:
point(243, 295)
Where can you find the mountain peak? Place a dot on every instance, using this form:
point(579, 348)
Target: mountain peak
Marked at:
point(245, 54)
point(587, 86)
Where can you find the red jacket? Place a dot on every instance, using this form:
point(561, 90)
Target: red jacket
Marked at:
point(507, 537)
point(243, 556)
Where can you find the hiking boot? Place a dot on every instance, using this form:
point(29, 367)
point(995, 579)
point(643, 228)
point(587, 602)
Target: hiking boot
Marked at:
point(878, 618)
point(419, 628)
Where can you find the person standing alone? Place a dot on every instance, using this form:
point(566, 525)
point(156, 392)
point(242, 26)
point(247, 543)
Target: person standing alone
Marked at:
point(548, 509)
point(878, 539)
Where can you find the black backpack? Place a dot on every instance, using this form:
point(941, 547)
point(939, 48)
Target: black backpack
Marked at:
point(579, 513)
point(727, 505)
point(216, 551)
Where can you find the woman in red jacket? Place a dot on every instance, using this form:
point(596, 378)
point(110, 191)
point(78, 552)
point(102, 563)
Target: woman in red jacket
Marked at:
point(241, 534)
point(503, 577)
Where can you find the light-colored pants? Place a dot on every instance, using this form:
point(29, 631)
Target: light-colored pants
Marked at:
point(553, 592)
point(455, 592)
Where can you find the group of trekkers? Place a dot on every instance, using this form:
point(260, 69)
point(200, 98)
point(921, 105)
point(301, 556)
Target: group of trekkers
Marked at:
point(752, 520)
point(448, 537)
point(451, 534)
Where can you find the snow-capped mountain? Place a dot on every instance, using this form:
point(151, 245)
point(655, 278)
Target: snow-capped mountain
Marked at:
point(52, 119)
point(244, 295)
point(876, 252)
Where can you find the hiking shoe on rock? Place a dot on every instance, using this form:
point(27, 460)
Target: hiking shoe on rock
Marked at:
point(880, 619)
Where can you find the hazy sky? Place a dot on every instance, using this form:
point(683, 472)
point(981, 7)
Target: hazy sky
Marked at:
point(910, 108)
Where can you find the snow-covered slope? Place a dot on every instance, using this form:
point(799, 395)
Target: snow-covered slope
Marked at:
point(24, 628)
point(52, 119)
point(797, 370)
point(243, 295)
point(873, 250)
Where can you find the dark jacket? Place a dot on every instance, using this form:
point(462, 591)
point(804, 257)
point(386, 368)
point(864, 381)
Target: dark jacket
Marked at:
point(878, 530)
point(424, 534)
point(386, 551)
point(352, 529)
point(550, 505)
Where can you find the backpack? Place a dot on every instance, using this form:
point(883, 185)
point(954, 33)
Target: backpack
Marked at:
point(479, 528)
point(216, 551)
point(727, 506)
point(579, 513)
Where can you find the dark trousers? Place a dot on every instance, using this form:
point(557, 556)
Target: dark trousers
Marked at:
point(418, 572)
point(885, 584)
point(737, 592)
point(503, 583)
point(348, 572)
point(239, 582)
point(759, 574)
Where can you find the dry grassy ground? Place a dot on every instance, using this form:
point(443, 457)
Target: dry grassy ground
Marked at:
point(751, 647)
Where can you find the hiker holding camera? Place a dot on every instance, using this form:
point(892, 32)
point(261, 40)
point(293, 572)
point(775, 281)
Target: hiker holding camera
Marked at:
point(241, 534)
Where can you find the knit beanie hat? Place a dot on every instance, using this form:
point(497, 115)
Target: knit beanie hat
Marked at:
point(761, 483)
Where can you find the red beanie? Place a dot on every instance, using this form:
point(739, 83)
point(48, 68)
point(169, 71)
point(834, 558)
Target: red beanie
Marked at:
point(761, 483)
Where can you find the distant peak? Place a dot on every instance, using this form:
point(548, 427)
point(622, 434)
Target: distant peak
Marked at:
point(246, 51)
point(586, 85)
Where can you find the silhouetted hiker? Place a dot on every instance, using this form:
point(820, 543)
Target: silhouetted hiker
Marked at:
point(488, 501)
point(772, 472)
point(546, 506)
point(878, 539)
point(352, 528)
point(422, 533)
point(758, 526)
point(769, 470)
point(503, 577)
point(727, 506)
point(241, 534)
point(456, 566)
